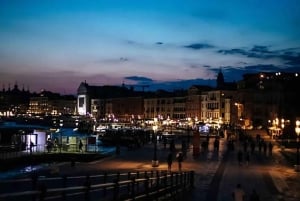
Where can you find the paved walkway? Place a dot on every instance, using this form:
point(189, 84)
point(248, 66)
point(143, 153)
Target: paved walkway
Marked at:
point(216, 172)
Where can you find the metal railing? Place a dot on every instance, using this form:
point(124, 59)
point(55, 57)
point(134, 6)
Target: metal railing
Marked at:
point(148, 185)
point(41, 149)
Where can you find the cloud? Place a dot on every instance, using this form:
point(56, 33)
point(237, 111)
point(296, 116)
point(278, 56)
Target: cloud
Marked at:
point(291, 59)
point(235, 73)
point(112, 60)
point(198, 46)
point(233, 51)
point(181, 84)
point(139, 79)
point(289, 56)
point(159, 43)
point(260, 49)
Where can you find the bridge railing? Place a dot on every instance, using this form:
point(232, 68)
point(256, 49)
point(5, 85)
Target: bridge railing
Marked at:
point(146, 186)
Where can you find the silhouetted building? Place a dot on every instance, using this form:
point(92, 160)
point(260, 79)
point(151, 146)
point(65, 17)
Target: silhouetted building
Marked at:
point(266, 96)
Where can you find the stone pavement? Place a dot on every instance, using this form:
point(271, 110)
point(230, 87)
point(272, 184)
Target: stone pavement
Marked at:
point(216, 172)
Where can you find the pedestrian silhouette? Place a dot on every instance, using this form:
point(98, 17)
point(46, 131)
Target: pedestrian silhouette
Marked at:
point(31, 146)
point(245, 146)
point(165, 142)
point(179, 157)
point(240, 157)
point(216, 144)
point(238, 194)
point(265, 147)
point(247, 158)
point(170, 161)
point(254, 196)
point(252, 146)
point(270, 148)
point(80, 146)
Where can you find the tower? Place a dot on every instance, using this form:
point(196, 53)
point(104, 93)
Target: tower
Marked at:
point(220, 79)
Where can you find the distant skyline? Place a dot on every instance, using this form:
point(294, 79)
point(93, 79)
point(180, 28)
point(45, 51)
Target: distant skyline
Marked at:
point(166, 44)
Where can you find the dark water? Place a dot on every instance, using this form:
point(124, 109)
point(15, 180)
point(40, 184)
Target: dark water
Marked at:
point(29, 169)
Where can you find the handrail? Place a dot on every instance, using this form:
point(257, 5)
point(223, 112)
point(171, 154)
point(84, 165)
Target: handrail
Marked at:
point(161, 184)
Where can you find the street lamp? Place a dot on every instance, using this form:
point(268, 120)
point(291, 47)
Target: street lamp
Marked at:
point(155, 162)
point(61, 123)
point(297, 130)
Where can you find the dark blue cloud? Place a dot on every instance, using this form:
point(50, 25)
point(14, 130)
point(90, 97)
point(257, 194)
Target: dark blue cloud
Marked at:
point(290, 57)
point(159, 43)
point(152, 85)
point(260, 49)
point(235, 73)
point(198, 46)
point(233, 51)
point(181, 84)
point(138, 79)
point(123, 59)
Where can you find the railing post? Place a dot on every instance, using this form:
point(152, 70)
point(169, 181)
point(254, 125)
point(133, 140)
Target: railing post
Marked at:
point(104, 181)
point(116, 190)
point(34, 182)
point(87, 184)
point(128, 177)
point(151, 182)
point(176, 182)
point(192, 179)
point(171, 184)
point(137, 176)
point(43, 191)
point(132, 187)
point(157, 184)
point(185, 180)
point(165, 182)
point(146, 185)
point(64, 184)
point(118, 176)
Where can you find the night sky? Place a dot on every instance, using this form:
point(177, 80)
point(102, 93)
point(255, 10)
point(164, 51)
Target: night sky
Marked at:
point(167, 44)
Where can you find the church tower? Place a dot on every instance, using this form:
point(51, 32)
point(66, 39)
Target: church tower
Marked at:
point(220, 80)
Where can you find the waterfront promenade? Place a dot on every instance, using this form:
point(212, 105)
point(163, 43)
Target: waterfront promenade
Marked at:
point(216, 172)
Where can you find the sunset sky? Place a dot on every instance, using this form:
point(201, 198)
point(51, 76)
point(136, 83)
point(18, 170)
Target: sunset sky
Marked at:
point(168, 44)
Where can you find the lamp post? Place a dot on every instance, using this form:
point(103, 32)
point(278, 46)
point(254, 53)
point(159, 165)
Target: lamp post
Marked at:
point(155, 162)
point(297, 130)
point(61, 123)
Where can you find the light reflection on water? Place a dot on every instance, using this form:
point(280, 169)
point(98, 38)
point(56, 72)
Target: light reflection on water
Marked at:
point(21, 172)
point(42, 168)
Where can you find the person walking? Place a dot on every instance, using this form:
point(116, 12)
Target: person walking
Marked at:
point(31, 145)
point(238, 194)
point(170, 161)
point(179, 157)
point(254, 196)
point(270, 148)
point(80, 146)
point(240, 157)
point(247, 158)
